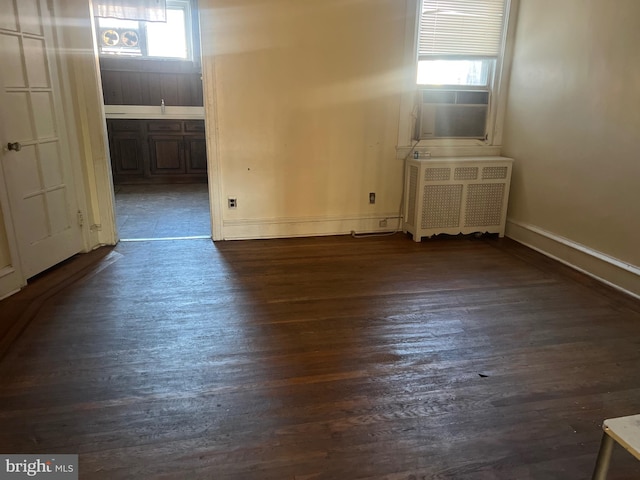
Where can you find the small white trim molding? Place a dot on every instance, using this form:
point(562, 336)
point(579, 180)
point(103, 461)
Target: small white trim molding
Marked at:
point(616, 273)
point(10, 282)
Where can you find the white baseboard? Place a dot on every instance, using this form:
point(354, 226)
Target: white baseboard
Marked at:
point(308, 226)
point(612, 271)
point(10, 282)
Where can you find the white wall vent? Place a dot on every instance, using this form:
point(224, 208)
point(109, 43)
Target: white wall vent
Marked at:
point(456, 195)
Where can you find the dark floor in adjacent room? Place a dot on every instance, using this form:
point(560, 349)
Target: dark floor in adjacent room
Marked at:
point(161, 211)
point(320, 358)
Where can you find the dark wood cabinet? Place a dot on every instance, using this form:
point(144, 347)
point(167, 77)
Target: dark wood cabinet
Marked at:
point(157, 151)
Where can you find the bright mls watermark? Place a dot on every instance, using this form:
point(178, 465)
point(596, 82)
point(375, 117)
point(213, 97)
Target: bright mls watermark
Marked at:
point(50, 467)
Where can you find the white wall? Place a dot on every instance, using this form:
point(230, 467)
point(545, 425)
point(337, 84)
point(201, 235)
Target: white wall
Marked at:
point(572, 126)
point(305, 113)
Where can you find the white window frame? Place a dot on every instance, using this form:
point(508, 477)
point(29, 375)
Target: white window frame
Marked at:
point(411, 94)
point(184, 5)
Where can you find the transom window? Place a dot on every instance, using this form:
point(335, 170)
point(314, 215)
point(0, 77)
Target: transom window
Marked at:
point(136, 38)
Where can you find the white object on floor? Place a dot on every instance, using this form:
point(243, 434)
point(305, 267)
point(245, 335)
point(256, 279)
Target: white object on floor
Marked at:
point(625, 431)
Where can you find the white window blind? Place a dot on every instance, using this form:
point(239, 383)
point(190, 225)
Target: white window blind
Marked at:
point(469, 28)
point(146, 10)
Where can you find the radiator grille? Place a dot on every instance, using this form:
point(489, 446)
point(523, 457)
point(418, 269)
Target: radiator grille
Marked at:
point(484, 204)
point(437, 174)
point(489, 173)
point(466, 173)
point(441, 206)
point(456, 195)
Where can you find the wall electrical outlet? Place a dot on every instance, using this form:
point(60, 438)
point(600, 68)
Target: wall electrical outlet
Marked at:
point(372, 197)
point(382, 223)
point(233, 202)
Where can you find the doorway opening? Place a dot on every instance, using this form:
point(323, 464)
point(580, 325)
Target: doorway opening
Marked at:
point(153, 95)
point(162, 211)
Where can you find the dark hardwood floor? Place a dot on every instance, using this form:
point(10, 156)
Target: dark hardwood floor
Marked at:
point(321, 358)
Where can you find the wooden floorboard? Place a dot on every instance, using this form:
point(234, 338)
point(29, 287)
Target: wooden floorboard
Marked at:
point(320, 358)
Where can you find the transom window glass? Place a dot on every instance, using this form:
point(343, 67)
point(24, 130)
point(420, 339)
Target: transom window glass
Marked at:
point(168, 39)
point(133, 38)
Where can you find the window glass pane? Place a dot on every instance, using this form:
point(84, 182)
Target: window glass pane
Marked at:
point(168, 39)
point(454, 72)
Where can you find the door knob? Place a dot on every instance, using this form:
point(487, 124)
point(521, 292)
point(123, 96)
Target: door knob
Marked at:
point(15, 146)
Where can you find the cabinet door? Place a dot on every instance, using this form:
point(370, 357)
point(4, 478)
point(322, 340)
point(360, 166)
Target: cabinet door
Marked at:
point(126, 148)
point(166, 153)
point(196, 154)
point(126, 154)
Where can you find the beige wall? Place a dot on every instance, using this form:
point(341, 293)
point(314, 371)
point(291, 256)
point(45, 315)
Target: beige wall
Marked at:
point(573, 123)
point(307, 102)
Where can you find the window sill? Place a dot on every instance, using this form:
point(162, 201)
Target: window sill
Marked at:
point(153, 112)
point(449, 148)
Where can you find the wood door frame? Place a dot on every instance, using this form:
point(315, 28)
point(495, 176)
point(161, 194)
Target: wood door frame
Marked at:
point(214, 169)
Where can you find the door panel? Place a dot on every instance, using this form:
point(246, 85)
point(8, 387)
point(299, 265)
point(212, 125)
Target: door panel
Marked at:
point(10, 20)
point(44, 114)
point(52, 169)
point(12, 64)
point(18, 124)
point(36, 62)
point(29, 16)
point(39, 178)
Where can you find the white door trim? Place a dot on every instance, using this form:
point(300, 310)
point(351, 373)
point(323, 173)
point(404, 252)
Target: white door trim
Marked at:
point(213, 152)
point(84, 106)
point(11, 277)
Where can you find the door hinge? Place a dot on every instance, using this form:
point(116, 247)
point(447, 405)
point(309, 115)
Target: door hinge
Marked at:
point(80, 218)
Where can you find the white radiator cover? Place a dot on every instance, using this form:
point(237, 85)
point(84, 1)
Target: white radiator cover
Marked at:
point(456, 195)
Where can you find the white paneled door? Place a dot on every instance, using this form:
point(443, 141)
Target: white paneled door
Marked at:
point(35, 157)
